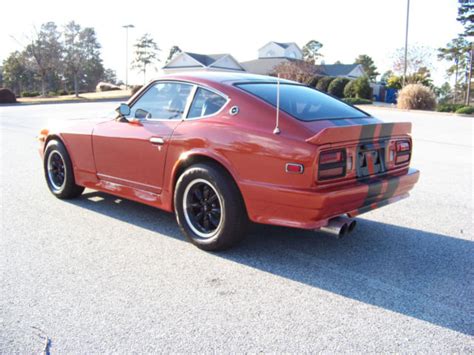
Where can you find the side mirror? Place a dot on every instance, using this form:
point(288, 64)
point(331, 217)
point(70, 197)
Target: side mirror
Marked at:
point(123, 110)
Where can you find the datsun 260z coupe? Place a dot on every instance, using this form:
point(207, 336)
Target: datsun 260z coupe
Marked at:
point(220, 149)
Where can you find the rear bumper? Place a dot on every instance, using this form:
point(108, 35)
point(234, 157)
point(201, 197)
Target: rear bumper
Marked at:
point(312, 209)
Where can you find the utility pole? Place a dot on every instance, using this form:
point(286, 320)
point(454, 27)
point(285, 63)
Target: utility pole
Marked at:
point(126, 52)
point(468, 93)
point(406, 46)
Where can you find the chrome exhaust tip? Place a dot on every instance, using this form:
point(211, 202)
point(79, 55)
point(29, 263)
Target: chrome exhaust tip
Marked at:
point(336, 228)
point(352, 225)
point(339, 227)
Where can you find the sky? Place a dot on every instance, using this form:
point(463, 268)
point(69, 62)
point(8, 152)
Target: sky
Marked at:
point(346, 28)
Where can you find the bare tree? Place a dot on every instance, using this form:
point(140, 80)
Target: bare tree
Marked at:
point(46, 50)
point(80, 48)
point(299, 71)
point(417, 58)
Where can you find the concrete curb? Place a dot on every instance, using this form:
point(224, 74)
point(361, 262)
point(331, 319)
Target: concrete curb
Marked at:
point(365, 107)
point(79, 101)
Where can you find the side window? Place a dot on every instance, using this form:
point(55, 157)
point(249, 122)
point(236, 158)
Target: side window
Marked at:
point(163, 100)
point(205, 103)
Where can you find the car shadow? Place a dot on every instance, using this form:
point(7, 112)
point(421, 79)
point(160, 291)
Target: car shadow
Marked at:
point(423, 275)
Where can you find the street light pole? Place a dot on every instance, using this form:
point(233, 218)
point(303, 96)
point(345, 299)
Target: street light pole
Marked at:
point(406, 45)
point(126, 52)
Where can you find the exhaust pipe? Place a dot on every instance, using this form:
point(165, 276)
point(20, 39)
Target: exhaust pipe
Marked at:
point(339, 227)
point(351, 223)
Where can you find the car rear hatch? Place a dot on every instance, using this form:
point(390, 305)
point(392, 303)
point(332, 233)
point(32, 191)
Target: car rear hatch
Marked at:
point(353, 152)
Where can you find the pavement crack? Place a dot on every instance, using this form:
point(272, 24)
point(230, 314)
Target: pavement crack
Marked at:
point(44, 337)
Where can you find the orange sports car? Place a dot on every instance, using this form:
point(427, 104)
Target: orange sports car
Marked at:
point(220, 149)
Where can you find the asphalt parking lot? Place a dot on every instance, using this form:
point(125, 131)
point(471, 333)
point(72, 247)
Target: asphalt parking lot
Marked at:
point(101, 274)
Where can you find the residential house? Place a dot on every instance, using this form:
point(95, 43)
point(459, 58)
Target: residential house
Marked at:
point(275, 53)
point(194, 61)
point(270, 56)
point(280, 50)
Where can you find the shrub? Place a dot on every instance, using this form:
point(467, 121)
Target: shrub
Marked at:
point(359, 87)
point(362, 88)
point(324, 82)
point(357, 101)
point(62, 92)
point(7, 96)
point(106, 87)
point(448, 107)
point(135, 89)
point(394, 82)
point(313, 81)
point(416, 97)
point(467, 110)
point(337, 86)
point(30, 94)
point(349, 89)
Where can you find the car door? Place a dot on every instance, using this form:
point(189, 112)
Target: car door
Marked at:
point(132, 151)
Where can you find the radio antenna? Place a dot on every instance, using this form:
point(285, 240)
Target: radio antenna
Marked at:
point(277, 128)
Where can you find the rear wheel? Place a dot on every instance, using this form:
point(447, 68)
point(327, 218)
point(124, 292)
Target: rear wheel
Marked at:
point(209, 208)
point(58, 171)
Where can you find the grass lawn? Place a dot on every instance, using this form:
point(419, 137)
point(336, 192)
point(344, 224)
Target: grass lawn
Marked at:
point(90, 96)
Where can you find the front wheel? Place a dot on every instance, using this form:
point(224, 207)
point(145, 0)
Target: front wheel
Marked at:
point(58, 171)
point(209, 208)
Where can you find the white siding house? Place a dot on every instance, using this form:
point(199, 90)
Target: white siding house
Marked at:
point(186, 61)
point(280, 50)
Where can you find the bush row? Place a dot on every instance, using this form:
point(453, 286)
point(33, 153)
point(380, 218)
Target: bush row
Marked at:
point(51, 93)
point(342, 87)
point(357, 101)
point(450, 107)
point(466, 110)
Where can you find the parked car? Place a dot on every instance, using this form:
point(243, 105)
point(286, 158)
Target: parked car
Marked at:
point(214, 148)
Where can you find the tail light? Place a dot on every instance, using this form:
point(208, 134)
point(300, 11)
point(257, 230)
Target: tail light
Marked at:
point(332, 164)
point(402, 152)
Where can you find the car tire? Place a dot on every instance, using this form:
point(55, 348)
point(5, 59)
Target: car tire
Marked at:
point(58, 171)
point(209, 207)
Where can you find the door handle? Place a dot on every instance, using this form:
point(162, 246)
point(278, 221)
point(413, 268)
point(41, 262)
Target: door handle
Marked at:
point(157, 140)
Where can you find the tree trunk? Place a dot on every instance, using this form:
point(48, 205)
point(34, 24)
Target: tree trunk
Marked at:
point(76, 86)
point(43, 85)
point(144, 74)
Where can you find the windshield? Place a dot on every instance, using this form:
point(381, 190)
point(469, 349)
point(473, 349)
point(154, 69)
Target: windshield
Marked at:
point(302, 102)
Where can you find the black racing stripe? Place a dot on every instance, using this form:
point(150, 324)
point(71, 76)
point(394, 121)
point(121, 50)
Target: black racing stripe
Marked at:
point(367, 132)
point(374, 186)
point(374, 189)
point(387, 129)
point(393, 184)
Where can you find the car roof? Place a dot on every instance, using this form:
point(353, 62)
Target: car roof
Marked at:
point(221, 77)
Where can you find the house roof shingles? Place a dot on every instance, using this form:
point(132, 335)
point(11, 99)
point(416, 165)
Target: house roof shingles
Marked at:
point(206, 59)
point(338, 69)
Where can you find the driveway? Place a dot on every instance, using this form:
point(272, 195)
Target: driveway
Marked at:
point(102, 274)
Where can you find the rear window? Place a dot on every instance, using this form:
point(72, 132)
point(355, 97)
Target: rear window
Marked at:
point(302, 102)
